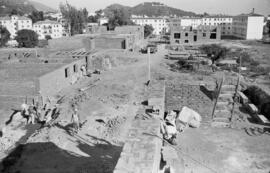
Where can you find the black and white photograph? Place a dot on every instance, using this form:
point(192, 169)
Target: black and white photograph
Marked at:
point(122, 86)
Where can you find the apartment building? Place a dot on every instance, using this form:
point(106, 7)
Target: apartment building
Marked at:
point(248, 26)
point(160, 24)
point(225, 22)
point(48, 27)
point(191, 21)
point(199, 34)
point(15, 23)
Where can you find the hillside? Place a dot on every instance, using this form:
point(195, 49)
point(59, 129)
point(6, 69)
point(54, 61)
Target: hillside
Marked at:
point(151, 9)
point(158, 9)
point(22, 7)
point(41, 7)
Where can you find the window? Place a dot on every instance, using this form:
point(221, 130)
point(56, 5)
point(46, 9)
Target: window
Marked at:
point(186, 34)
point(177, 35)
point(186, 41)
point(204, 34)
point(213, 36)
point(67, 72)
point(75, 68)
point(177, 41)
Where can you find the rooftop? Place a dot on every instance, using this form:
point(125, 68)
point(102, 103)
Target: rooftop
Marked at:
point(46, 22)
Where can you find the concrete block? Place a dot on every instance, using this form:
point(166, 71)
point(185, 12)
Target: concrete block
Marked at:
point(263, 119)
point(243, 97)
point(252, 108)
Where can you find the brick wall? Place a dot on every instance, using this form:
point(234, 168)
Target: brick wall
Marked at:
point(191, 35)
point(51, 83)
point(110, 43)
point(142, 150)
point(69, 43)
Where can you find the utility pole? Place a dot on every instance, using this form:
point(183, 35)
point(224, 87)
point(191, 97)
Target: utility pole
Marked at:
point(149, 66)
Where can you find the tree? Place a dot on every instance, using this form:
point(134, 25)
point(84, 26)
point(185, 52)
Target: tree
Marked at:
point(214, 51)
point(27, 38)
point(48, 37)
point(14, 12)
point(36, 16)
point(4, 36)
point(148, 30)
point(267, 28)
point(77, 19)
point(118, 17)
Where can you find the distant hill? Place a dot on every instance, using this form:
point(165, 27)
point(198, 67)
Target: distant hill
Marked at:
point(41, 7)
point(152, 9)
point(159, 9)
point(22, 7)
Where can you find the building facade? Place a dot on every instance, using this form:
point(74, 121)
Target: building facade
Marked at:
point(225, 23)
point(160, 24)
point(48, 27)
point(248, 26)
point(190, 35)
point(15, 23)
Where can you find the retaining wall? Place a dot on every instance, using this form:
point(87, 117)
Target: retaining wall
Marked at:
point(142, 150)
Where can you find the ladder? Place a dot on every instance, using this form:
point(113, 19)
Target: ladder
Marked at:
point(223, 109)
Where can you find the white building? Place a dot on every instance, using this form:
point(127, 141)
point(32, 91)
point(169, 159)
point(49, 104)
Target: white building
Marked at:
point(225, 22)
point(54, 15)
point(103, 20)
point(248, 26)
point(191, 21)
point(160, 24)
point(48, 27)
point(15, 23)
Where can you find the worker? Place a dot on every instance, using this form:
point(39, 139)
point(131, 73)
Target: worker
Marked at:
point(75, 120)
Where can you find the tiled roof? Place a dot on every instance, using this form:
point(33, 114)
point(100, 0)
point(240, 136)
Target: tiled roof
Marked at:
point(46, 22)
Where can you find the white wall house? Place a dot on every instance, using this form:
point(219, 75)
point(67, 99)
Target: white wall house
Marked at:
point(160, 24)
point(15, 23)
point(48, 27)
point(248, 26)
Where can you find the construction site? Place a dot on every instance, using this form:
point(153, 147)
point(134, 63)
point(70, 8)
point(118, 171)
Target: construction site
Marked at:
point(170, 111)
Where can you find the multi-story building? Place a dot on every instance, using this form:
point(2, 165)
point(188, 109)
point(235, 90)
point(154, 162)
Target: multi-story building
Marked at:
point(15, 23)
point(199, 34)
point(225, 22)
point(66, 27)
point(48, 27)
point(160, 24)
point(191, 21)
point(248, 26)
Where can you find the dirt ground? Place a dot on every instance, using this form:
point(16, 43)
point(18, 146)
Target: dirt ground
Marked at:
point(107, 109)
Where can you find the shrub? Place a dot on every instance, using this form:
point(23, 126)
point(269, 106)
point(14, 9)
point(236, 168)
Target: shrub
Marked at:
point(27, 38)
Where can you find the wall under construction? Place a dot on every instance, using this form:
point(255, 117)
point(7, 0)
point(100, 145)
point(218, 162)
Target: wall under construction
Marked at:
point(53, 82)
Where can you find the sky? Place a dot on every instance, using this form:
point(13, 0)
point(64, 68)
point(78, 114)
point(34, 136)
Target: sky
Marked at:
point(230, 7)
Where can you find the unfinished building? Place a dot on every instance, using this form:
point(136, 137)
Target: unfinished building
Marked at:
point(191, 35)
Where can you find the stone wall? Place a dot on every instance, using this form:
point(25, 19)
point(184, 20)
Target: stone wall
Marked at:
point(142, 150)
